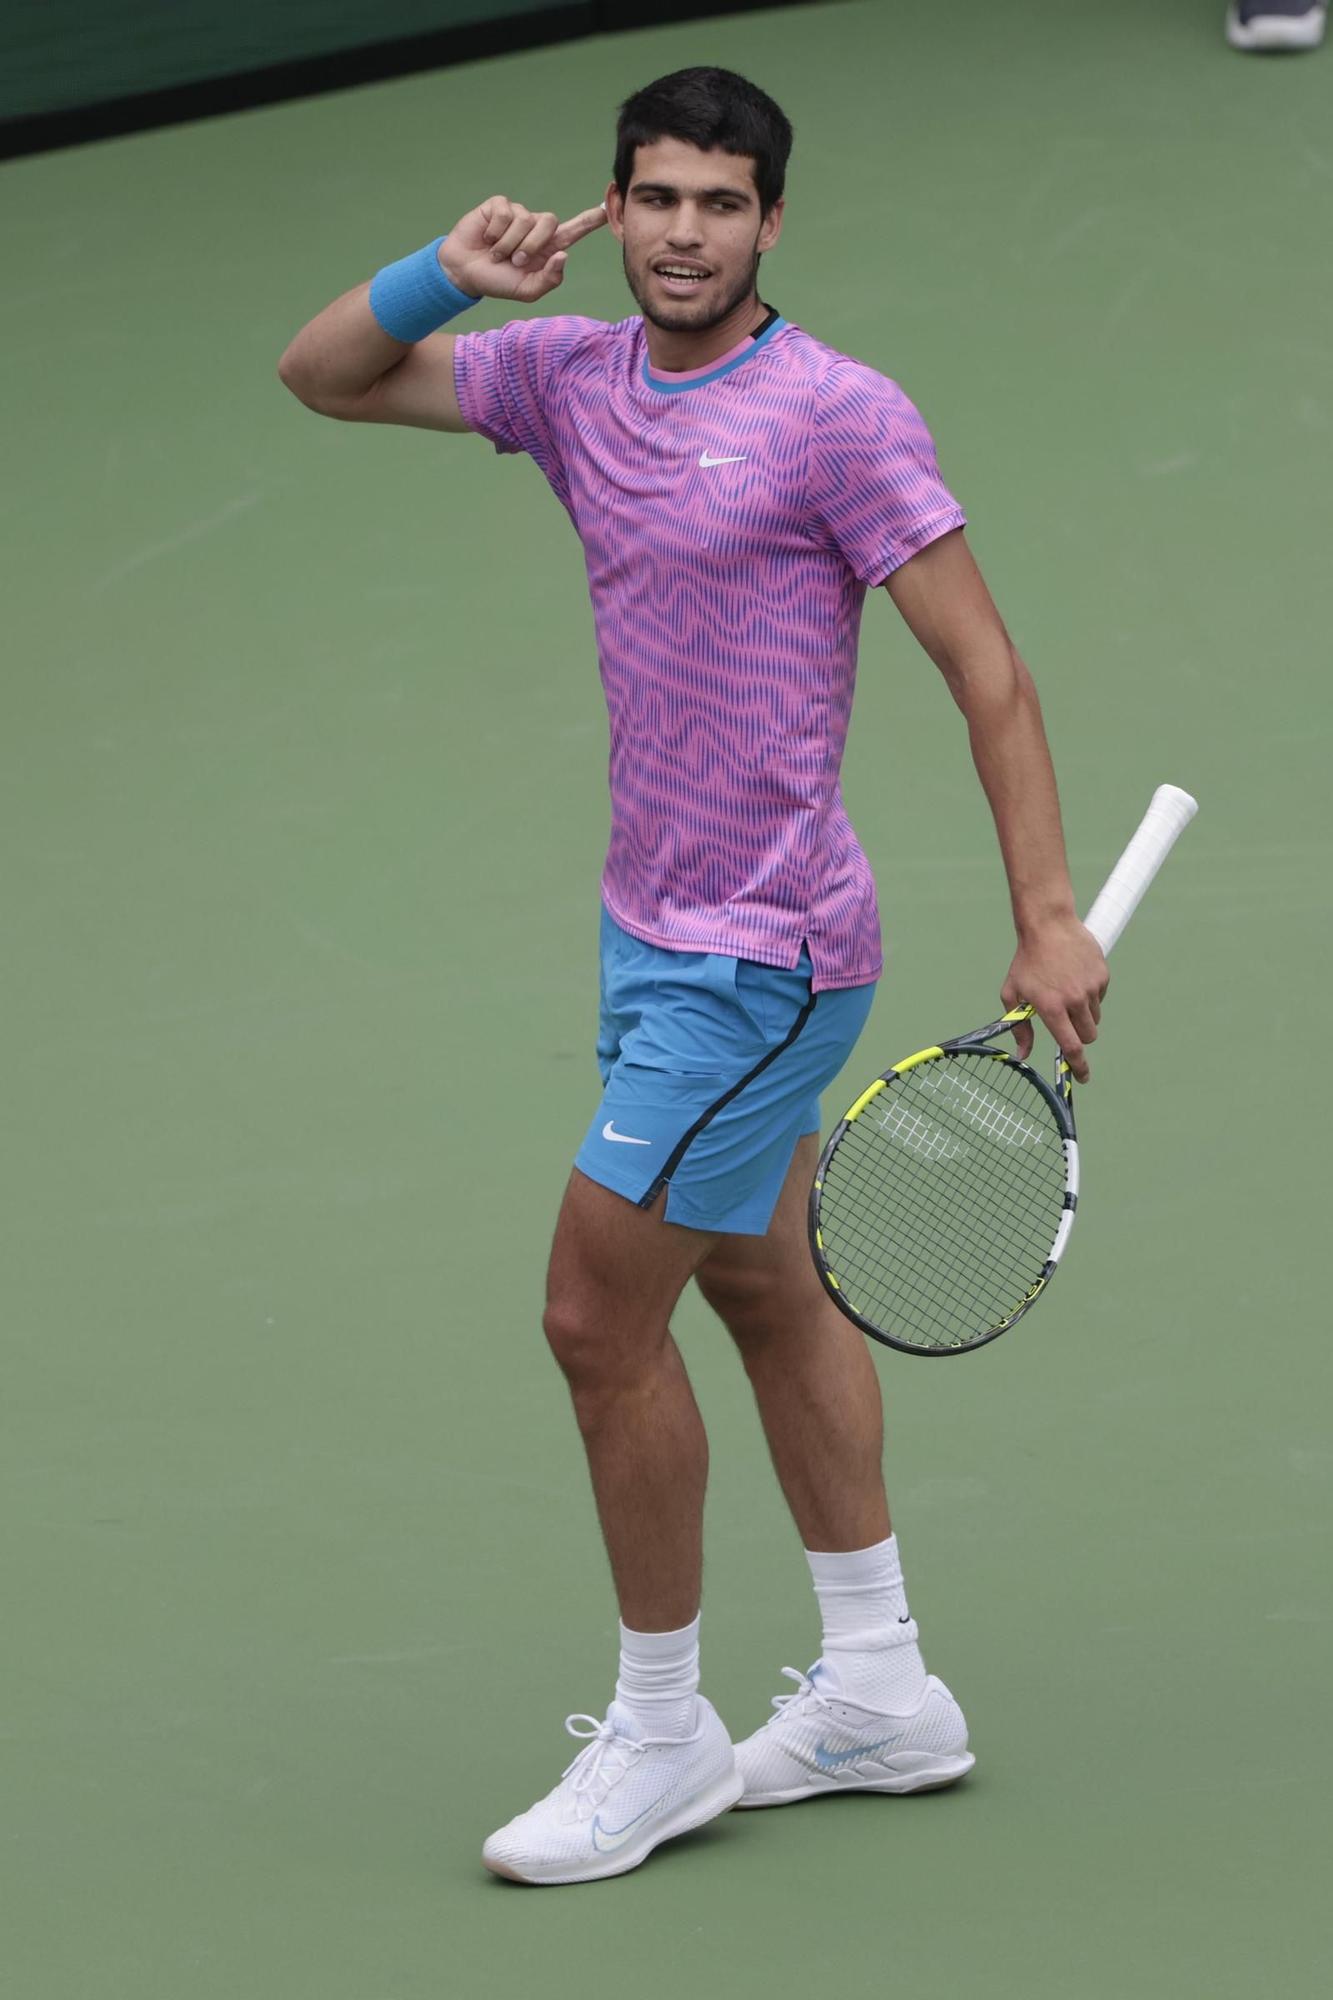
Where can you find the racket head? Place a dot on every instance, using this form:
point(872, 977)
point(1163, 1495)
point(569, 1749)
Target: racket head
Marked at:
point(943, 1201)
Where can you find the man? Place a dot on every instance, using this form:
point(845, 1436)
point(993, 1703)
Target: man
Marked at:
point(736, 485)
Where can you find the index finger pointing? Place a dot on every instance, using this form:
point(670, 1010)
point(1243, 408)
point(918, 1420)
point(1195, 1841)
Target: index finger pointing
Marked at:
point(580, 226)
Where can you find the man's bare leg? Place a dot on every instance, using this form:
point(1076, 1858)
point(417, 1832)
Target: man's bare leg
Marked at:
point(870, 1717)
point(814, 1382)
point(616, 1273)
point(661, 1763)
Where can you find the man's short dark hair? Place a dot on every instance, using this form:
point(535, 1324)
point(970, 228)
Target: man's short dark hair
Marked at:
point(707, 108)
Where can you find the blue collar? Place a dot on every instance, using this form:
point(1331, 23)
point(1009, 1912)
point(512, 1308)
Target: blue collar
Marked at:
point(714, 374)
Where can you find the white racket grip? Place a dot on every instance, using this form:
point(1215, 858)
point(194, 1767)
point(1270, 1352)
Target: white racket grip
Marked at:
point(1160, 828)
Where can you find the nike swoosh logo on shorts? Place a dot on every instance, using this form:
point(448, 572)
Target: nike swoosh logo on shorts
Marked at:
point(621, 1138)
point(833, 1760)
point(733, 460)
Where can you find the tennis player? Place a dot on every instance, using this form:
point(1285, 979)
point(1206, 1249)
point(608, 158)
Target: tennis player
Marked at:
point(737, 485)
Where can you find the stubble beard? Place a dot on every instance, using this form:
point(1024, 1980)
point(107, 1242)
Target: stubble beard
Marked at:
point(686, 321)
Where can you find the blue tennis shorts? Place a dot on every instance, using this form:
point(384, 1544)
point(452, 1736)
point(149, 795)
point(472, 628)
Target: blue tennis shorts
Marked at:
point(712, 1068)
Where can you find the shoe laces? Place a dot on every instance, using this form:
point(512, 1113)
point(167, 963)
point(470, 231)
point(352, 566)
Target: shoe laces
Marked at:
point(606, 1755)
point(806, 1694)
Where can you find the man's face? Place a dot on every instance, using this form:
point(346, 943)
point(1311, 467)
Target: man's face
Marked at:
point(699, 212)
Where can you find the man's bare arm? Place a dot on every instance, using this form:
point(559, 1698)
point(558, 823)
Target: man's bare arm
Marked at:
point(345, 365)
point(1058, 966)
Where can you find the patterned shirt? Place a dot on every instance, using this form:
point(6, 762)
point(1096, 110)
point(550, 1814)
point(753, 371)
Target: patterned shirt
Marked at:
point(732, 518)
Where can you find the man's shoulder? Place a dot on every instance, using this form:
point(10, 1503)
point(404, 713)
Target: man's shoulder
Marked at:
point(845, 387)
point(554, 339)
point(572, 337)
point(577, 326)
point(825, 365)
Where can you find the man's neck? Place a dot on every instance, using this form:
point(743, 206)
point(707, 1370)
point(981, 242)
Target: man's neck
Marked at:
point(677, 353)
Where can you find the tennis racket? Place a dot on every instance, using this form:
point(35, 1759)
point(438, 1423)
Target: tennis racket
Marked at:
point(943, 1202)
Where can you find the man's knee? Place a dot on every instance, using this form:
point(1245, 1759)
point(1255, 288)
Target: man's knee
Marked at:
point(572, 1337)
point(598, 1351)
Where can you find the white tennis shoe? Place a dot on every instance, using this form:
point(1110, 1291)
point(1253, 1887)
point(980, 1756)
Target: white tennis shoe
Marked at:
point(622, 1796)
point(817, 1742)
point(1276, 24)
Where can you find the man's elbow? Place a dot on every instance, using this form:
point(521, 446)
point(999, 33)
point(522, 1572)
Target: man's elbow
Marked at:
point(304, 392)
point(989, 678)
point(1024, 685)
point(290, 377)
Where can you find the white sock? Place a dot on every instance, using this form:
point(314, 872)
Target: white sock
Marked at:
point(659, 1678)
point(870, 1651)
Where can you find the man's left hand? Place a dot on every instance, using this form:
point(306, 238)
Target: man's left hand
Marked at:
point(1059, 969)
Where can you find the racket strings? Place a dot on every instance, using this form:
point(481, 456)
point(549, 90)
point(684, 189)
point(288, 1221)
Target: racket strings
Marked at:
point(968, 1265)
point(950, 1247)
point(941, 1202)
point(926, 1294)
point(935, 1270)
point(965, 1227)
point(945, 1296)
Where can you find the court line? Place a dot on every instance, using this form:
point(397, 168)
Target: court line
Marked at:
point(239, 505)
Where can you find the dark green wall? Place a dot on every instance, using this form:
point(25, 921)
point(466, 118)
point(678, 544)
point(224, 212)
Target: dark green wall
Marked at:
point(55, 54)
point(63, 53)
point(71, 71)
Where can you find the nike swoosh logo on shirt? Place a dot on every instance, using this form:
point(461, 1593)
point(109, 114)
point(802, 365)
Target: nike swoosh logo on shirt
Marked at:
point(733, 460)
point(621, 1138)
point(833, 1760)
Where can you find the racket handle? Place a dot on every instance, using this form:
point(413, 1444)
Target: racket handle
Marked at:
point(1167, 817)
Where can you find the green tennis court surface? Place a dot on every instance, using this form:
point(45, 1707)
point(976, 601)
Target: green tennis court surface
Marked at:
point(303, 808)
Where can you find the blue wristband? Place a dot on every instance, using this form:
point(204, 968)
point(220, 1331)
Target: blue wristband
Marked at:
point(413, 297)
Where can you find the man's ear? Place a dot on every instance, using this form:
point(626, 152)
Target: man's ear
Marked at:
point(615, 211)
point(771, 228)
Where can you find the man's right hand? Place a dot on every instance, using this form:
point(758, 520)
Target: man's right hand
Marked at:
point(505, 251)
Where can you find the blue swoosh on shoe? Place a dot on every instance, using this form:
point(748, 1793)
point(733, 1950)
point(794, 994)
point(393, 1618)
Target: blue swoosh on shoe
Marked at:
point(607, 1839)
point(833, 1760)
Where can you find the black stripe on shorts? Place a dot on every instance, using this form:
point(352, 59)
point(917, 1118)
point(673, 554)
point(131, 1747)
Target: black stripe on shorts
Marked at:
point(647, 1200)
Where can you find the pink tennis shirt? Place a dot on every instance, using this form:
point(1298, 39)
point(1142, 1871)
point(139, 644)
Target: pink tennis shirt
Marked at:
point(732, 518)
